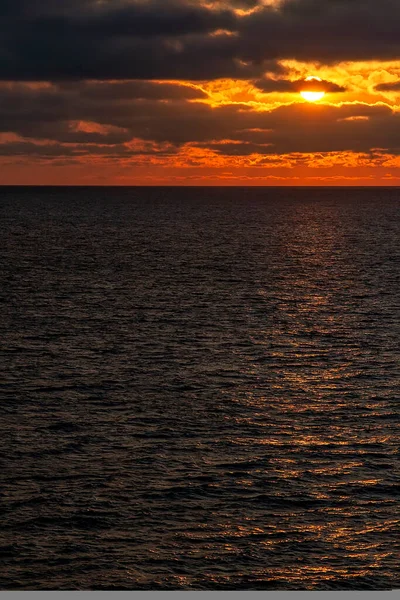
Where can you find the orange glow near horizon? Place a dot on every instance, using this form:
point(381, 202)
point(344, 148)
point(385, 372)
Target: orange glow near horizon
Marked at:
point(216, 132)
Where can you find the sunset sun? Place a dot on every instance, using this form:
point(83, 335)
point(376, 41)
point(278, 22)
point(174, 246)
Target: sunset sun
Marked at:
point(312, 91)
point(312, 96)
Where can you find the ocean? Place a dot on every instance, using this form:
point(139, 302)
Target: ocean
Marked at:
point(199, 388)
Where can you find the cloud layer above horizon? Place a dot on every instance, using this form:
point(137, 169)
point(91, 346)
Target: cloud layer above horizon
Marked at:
point(202, 91)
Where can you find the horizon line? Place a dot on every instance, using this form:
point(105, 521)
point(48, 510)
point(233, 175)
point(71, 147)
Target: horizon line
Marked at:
point(116, 185)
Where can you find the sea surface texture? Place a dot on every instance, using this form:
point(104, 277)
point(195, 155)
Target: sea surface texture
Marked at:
point(200, 388)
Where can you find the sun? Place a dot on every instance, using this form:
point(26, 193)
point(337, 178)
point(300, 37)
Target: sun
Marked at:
point(312, 96)
point(313, 90)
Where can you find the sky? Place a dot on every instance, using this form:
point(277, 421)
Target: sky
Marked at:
point(199, 92)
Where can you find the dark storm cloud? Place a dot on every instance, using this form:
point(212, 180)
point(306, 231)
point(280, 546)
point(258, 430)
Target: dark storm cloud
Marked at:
point(76, 114)
point(132, 39)
point(327, 128)
point(149, 39)
point(326, 30)
point(46, 112)
point(394, 86)
point(54, 151)
point(119, 17)
point(139, 89)
point(243, 3)
point(268, 85)
point(50, 151)
point(316, 85)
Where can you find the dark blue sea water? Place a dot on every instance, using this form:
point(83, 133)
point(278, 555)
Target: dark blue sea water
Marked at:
point(200, 388)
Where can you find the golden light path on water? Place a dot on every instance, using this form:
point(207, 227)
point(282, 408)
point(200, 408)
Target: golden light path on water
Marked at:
point(204, 397)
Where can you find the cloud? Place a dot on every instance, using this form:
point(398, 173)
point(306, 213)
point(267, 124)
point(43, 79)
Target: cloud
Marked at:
point(188, 39)
point(128, 90)
point(104, 118)
point(393, 86)
point(131, 39)
point(325, 30)
point(269, 85)
point(51, 111)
